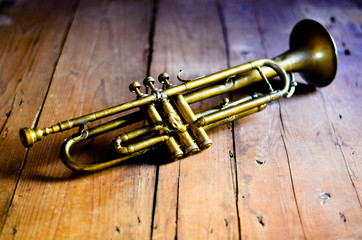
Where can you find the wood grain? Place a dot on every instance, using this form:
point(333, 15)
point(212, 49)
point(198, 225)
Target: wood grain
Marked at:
point(31, 39)
point(101, 54)
point(290, 172)
point(195, 196)
point(328, 153)
point(343, 96)
point(313, 156)
point(265, 190)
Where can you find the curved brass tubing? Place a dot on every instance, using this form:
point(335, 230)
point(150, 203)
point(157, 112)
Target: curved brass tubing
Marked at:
point(130, 152)
point(171, 120)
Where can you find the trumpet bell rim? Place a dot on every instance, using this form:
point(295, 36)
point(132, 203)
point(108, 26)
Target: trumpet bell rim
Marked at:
point(311, 35)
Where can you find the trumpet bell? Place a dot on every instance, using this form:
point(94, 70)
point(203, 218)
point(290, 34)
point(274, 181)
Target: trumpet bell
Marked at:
point(311, 39)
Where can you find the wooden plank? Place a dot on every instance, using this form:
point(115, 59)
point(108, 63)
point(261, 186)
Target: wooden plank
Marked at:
point(343, 209)
point(265, 191)
point(195, 195)
point(31, 38)
point(344, 111)
point(313, 156)
point(106, 48)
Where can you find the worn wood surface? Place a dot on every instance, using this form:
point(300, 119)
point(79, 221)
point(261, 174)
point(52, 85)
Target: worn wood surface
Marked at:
point(31, 41)
point(292, 171)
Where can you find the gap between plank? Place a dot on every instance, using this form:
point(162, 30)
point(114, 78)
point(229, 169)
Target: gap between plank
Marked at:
point(151, 35)
point(21, 167)
point(8, 114)
point(224, 32)
point(154, 200)
point(75, 7)
point(290, 169)
point(233, 164)
point(149, 62)
point(260, 32)
point(340, 148)
point(177, 199)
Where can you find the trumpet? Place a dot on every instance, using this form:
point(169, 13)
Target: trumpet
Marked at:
point(170, 120)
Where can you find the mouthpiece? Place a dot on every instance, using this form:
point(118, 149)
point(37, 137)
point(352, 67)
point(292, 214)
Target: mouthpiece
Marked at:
point(29, 136)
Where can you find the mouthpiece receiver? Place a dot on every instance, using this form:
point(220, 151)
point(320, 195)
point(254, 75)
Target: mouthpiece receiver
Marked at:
point(29, 136)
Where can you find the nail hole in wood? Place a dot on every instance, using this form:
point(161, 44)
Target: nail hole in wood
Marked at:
point(226, 223)
point(14, 229)
point(260, 220)
point(341, 215)
point(324, 197)
point(260, 162)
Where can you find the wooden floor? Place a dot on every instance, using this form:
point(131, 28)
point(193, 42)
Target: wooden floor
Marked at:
point(292, 171)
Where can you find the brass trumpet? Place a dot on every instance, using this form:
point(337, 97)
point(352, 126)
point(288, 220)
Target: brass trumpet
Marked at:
point(171, 120)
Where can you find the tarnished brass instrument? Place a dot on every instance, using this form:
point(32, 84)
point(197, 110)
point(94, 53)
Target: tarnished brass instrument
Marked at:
point(171, 120)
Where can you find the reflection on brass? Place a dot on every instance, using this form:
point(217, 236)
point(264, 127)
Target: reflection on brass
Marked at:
point(172, 122)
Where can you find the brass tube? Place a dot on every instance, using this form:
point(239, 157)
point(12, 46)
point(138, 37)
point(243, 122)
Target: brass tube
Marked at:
point(140, 145)
point(154, 118)
point(234, 117)
point(208, 119)
point(105, 113)
point(175, 123)
point(117, 142)
point(74, 165)
point(229, 104)
point(235, 83)
point(188, 115)
point(115, 124)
